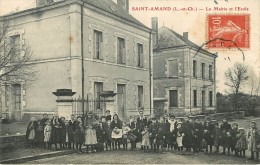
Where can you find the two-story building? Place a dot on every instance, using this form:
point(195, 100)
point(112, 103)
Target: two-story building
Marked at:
point(83, 45)
point(184, 74)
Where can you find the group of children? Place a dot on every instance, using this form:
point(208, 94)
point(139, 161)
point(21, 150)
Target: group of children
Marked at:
point(165, 134)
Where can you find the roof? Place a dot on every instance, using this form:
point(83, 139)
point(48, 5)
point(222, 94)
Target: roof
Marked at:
point(168, 38)
point(105, 5)
point(112, 8)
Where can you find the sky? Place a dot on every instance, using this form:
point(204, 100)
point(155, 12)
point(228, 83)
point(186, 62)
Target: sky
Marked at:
point(193, 22)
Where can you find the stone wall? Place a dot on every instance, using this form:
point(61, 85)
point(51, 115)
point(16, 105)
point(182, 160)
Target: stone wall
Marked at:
point(12, 142)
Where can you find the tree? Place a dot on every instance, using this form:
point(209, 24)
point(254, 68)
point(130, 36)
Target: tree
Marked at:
point(16, 60)
point(236, 77)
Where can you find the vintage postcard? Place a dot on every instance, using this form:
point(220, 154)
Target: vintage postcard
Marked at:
point(129, 81)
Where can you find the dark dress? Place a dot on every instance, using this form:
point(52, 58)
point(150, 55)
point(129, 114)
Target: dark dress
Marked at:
point(188, 130)
point(40, 131)
point(136, 131)
point(142, 122)
point(56, 134)
point(153, 130)
point(108, 117)
point(69, 132)
point(208, 134)
point(162, 132)
point(171, 137)
point(198, 135)
point(226, 139)
point(234, 138)
point(101, 134)
point(79, 134)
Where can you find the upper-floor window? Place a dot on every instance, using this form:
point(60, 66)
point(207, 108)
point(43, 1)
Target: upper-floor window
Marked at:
point(210, 72)
point(194, 68)
point(121, 52)
point(203, 70)
point(98, 45)
point(173, 68)
point(140, 55)
point(15, 46)
point(173, 98)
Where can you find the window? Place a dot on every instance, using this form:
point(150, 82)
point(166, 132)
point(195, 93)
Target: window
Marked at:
point(98, 44)
point(140, 96)
point(120, 50)
point(173, 98)
point(194, 68)
point(15, 45)
point(98, 88)
point(210, 98)
point(195, 98)
point(210, 72)
point(17, 96)
point(140, 55)
point(173, 68)
point(203, 70)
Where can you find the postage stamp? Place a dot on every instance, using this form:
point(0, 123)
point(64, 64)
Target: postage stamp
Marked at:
point(228, 31)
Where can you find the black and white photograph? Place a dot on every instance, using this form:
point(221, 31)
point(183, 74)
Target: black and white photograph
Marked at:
point(129, 81)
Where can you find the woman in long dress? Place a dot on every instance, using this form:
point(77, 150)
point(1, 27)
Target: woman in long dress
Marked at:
point(31, 132)
point(253, 141)
point(90, 132)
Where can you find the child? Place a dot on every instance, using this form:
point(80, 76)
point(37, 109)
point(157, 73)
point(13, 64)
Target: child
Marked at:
point(101, 136)
point(225, 135)
point(47, 135)
point(145, 139)
point(108, 138)
point(208, 134)
point(153, 129)
point(135, 130)
point(216, 137)
point(179, 138)
point(171, 135)
point(233, 133)
point(161, 134)
point(253, 139)
point(79, 136)
point(125, 130)
point(198, 135)
point(241, 144)
point(31, 132)
point(68, 135)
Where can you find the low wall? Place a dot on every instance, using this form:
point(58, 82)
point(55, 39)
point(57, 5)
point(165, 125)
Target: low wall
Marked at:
point(11, 142)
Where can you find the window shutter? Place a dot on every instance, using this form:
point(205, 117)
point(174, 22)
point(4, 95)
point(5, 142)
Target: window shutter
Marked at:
point(123, 52)
point(101, 46)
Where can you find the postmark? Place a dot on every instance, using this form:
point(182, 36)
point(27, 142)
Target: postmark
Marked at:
point(228, 31)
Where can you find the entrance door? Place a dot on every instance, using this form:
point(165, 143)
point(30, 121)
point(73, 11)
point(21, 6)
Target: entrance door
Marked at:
point(121, 100)
point(203, 101)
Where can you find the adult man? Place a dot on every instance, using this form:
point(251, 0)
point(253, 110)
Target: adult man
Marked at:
point(141, 120)
point(135, 130)
point(73, 122)
point(42, 124)
point(153, 129)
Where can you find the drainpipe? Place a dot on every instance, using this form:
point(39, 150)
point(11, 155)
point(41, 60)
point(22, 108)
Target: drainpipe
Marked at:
point(215, 96)
point(82, 64)
point(150, 70)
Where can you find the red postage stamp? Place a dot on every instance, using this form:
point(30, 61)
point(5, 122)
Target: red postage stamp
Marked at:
point(228, 31)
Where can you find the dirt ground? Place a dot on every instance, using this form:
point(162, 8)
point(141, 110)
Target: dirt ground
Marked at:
point(139, 157)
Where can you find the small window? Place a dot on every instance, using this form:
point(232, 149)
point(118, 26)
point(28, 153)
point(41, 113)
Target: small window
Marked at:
point(210, 72)
point(195, 98)
point(173, 68)
point(173, 98)
point(140, 96)
point(140, 55)
point(121, 50)
point(194, 68)
point(203, 70)
point(98, 44)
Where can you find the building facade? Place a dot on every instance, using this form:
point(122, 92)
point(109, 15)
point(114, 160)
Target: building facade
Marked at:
point(184, 75)
point(89, 46)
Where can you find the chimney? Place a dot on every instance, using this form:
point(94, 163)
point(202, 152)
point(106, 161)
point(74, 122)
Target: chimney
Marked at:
point(186, 35)
point(155, 31)
point(124, 4)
